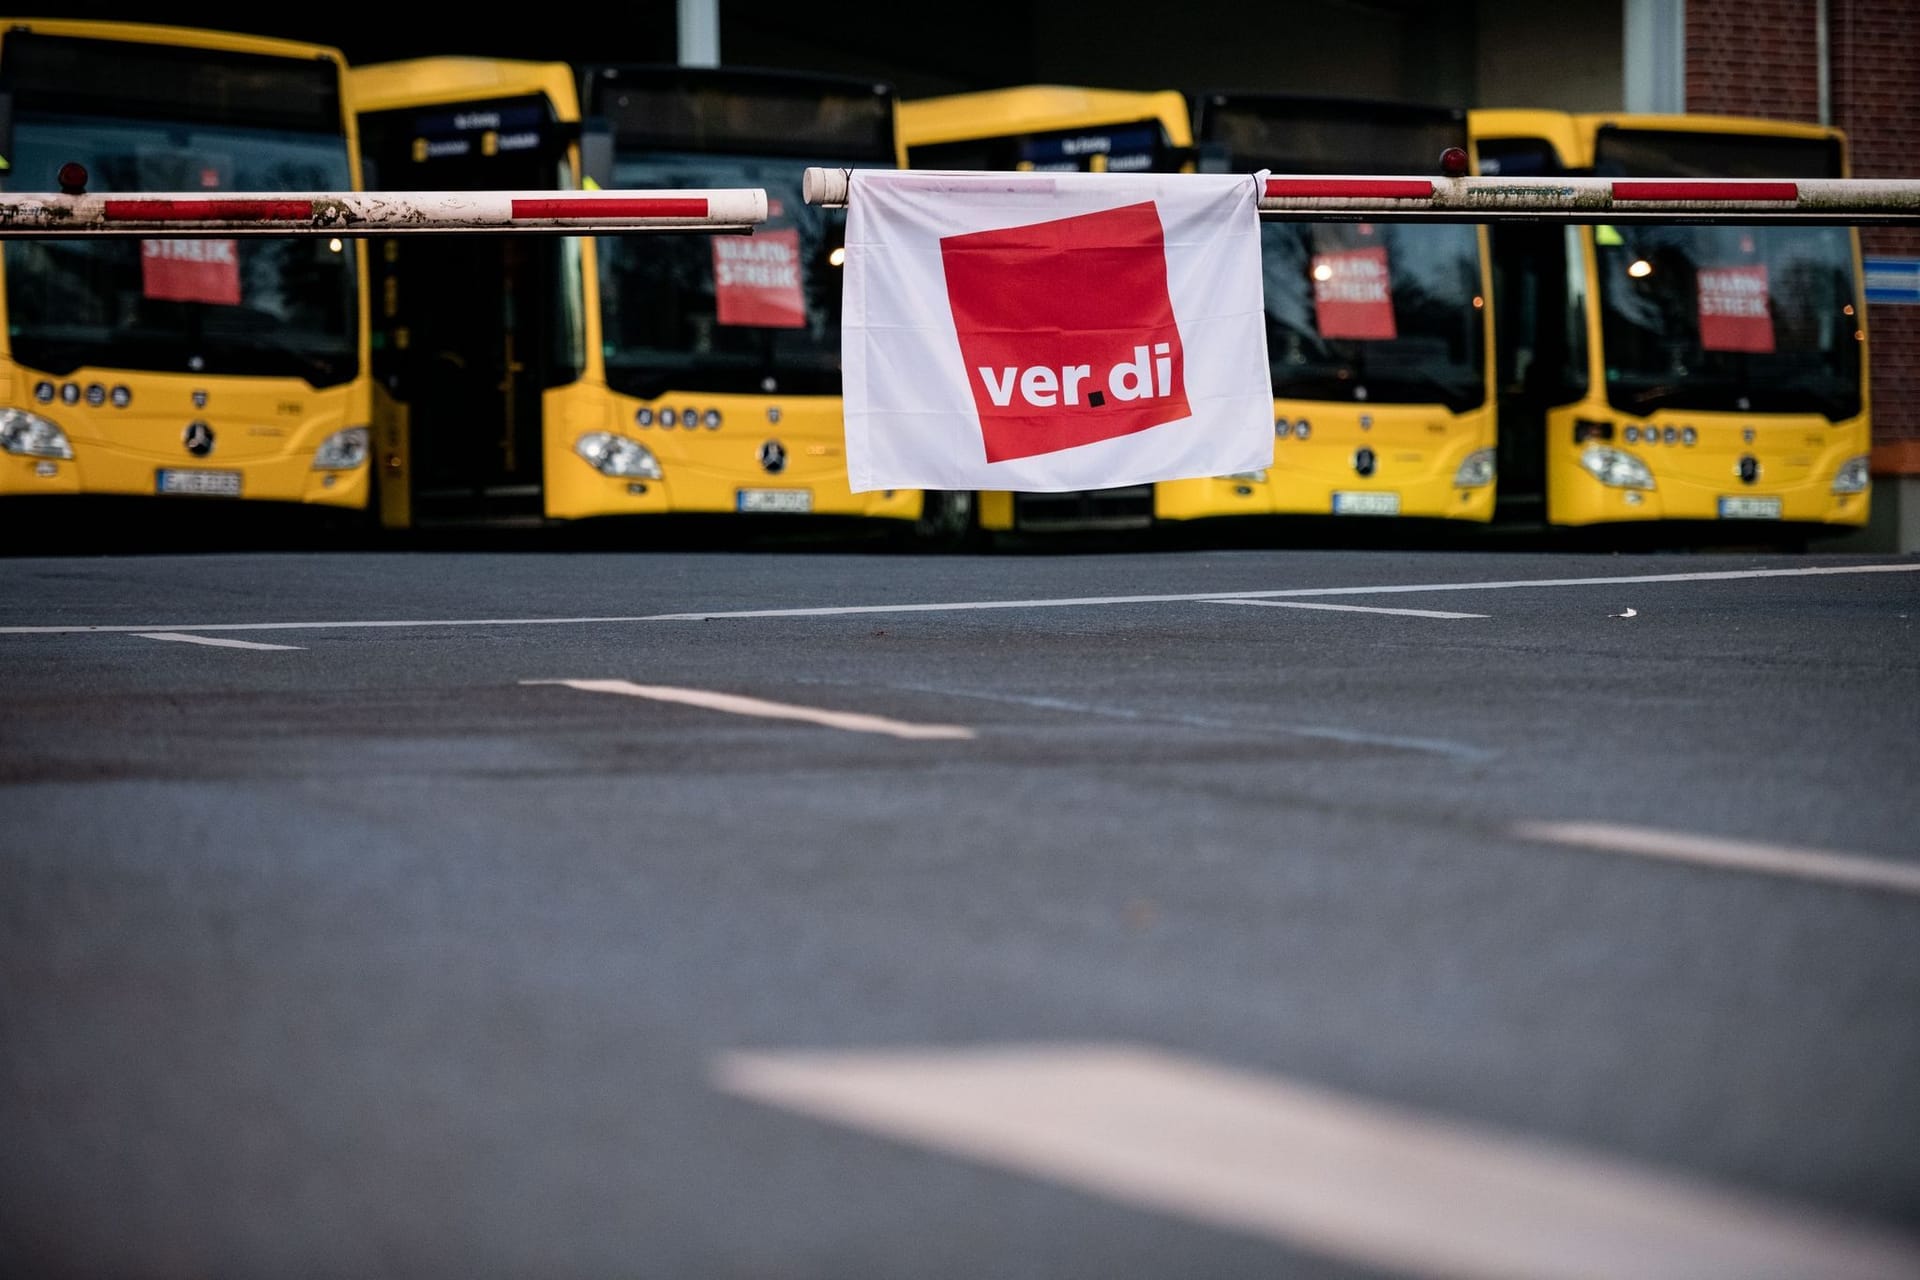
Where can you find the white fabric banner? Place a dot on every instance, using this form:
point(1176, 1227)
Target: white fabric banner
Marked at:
point(1052, 332)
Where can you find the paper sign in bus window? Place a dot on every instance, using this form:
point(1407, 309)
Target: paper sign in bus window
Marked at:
point(191, 271)
point(1735, 311)
point(1351, 298)
point(756, 280)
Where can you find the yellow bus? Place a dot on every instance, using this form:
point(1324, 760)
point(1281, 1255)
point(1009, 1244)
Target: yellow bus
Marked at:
point(1060, 128)
point(1379, 334)
point(722, 353)
point(492, 401)
point(179, 368)
point(1678, 373)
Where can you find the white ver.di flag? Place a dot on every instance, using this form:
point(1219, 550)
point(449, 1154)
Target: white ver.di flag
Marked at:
point(1052, 332)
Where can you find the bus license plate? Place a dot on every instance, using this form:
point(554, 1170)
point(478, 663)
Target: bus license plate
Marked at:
point(780, 501)
point(1750, 508)
point(1366, 504)
point(217, 484)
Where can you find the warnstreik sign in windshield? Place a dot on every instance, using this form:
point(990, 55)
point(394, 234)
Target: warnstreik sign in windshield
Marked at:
point(1734, 312)
point(756, 280)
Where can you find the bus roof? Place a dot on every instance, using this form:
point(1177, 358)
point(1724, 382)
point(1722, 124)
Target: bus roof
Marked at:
point(746, 110)
point(1572, 135)
point(1039, 108)
point(159, 33)
point(1316, 133)
point(744, 78)
point(421, 82)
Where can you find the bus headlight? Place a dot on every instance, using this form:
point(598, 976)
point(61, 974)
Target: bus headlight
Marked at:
point(613, 455)
point(1852, 476)
point(1475, 470)
point(1616, 469)
point(342, 451)
point(32, 435)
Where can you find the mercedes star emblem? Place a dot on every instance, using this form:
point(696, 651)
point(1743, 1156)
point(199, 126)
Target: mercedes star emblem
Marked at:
point(198, 439)
point(773, 457)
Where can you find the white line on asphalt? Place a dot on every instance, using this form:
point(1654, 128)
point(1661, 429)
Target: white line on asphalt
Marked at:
point(1361, 1181)
point(1350, 608)
point(1731, 855)
point(1329, 733)
point(222, 644)
point(961, 606)
point(740, 706)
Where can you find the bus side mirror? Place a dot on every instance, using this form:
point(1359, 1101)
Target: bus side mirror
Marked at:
point(596, 152)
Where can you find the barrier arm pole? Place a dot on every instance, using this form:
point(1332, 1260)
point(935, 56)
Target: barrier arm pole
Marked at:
point(378, 213)
point(1313, 198)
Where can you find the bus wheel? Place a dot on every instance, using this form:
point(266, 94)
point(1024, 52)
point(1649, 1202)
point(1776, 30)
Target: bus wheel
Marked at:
point(948, 522)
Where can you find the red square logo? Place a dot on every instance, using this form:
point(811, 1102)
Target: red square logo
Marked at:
point(1067, 330)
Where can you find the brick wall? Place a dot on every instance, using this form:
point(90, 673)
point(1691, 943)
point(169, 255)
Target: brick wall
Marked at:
point(1760, 58)
point(1876, 99)
point(1753, 58)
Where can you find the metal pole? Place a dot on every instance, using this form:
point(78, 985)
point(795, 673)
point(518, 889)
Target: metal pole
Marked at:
point(699, 27)
point(1823, 55)
point(1655, 60)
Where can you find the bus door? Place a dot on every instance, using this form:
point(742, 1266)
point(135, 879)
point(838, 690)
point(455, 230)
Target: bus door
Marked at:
point(1129, 146)
point(467, 327)
point(1136, 147)
point(1540, 328)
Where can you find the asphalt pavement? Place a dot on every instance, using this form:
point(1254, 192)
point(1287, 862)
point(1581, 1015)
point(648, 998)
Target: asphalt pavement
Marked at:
point(844, 912)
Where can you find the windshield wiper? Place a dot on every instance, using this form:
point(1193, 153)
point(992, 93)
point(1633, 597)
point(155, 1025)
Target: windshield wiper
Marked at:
point(1416, 385)
point(1316, 383)
point(316, 369)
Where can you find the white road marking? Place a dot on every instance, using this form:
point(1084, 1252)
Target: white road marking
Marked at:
point(741, 706)
point(1330, 733)
point(1331, 1173)
point(1350, 608)
point(960, 606)
point(223, 644)
point(1631, 613)
point(1732, 855)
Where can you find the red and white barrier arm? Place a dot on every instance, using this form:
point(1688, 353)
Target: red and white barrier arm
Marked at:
point(1835, 201)
point(378, 213)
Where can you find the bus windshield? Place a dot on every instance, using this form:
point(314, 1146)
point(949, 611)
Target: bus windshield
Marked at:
point(1740, 319)
point(246, 305)
point(1370, 311)
point(744, 314)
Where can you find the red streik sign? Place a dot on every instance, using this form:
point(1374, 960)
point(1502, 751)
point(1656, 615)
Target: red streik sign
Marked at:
point(191, 271)
point(1350, 294)
point(756, 280)
point(1067, 330)
point(1735, 314)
